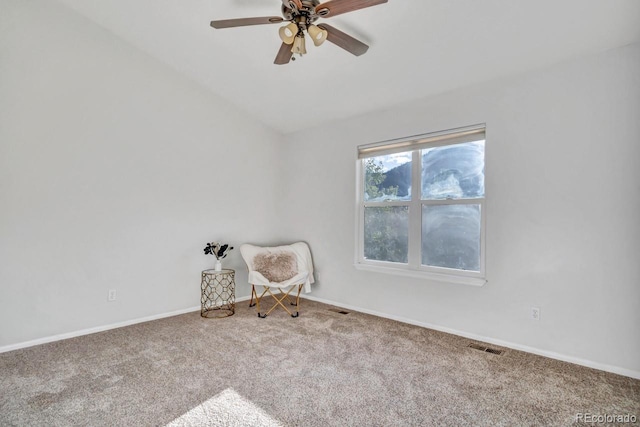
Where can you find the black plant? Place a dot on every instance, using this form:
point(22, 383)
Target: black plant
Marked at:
point(217, 250)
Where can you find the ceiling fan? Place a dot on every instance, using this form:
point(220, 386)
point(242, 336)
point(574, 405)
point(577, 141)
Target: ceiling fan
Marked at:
point(302, 15)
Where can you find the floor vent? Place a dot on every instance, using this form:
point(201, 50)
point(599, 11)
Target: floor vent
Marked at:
point(485, 349)
point(337, 310)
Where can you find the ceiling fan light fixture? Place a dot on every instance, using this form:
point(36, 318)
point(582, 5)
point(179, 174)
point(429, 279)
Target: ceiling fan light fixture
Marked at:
point(299, 46)
point(318, 35)
point(298, 17)
point(288, 33)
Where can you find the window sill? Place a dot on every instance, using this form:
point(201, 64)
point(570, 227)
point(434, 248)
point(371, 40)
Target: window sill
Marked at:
point(427, 275)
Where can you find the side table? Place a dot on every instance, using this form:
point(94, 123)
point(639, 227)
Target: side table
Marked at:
point(218, 293)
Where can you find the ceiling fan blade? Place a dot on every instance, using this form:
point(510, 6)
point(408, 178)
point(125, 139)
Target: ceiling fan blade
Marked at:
point(337, 7)
point(284, 55)
point(344, 40)
point(243, 22)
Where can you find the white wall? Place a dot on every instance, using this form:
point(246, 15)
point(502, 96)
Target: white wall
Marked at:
point(115, 170)
point(563, 231)
point(114, 173)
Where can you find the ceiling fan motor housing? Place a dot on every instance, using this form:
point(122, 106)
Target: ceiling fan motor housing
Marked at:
point(306, 15)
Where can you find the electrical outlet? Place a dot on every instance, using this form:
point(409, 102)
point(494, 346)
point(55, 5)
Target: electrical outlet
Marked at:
point(112, 295)
point(535, 313)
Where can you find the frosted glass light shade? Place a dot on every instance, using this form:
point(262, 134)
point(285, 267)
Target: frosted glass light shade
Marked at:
point(318, 35)
point(299, 46)
point(288, 33)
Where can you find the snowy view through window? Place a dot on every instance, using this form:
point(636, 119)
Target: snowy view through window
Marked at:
point(451, 186)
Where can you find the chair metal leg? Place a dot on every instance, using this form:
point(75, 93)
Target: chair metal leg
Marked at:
point(278, 301)
point(253, 294)
point(297, 304)
point(258, 298)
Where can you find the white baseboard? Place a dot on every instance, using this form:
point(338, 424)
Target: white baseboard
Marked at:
point(81, 332)
point(550, 354)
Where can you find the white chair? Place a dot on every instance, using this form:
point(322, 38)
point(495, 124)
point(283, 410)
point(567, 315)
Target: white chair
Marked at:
point(283, 268)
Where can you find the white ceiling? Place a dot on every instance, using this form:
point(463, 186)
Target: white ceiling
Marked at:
point(417, 48)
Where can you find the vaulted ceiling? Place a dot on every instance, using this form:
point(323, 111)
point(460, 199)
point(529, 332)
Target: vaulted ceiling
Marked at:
point(417, 48)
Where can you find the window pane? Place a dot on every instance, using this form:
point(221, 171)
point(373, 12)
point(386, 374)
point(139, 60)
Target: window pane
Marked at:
point(386, 233)
point(387, 177)
point(453, 172)
point(451, 236)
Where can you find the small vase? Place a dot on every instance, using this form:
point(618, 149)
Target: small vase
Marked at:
point(218, 266)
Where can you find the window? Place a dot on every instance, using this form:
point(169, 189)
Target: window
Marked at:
point(421, 206)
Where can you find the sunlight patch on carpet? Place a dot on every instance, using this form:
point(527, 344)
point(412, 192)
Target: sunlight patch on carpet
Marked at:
point(227, 408)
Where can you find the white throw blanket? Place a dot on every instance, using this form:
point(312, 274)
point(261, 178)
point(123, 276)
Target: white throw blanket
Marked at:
point(303, 258)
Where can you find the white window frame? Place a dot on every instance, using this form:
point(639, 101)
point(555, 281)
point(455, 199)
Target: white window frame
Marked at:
point(414, 267)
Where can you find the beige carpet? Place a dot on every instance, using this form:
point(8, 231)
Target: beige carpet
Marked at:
point(321, 369)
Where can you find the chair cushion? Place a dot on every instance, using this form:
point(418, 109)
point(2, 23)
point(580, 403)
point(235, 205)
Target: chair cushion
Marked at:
point(276, 266)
